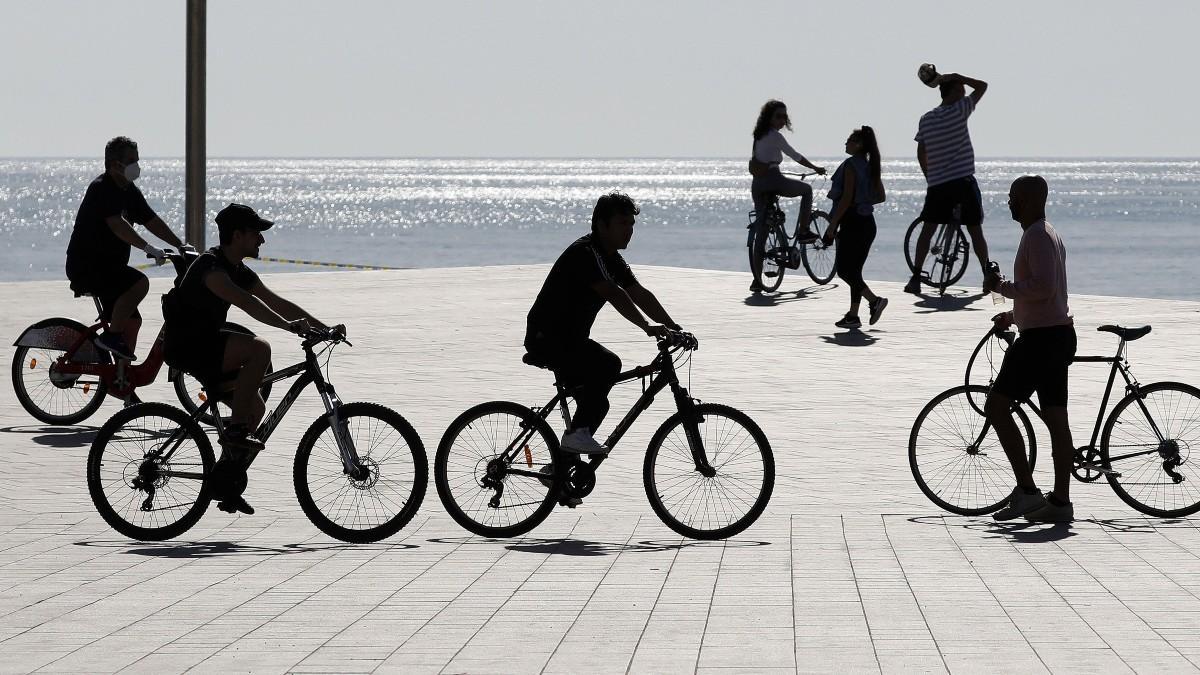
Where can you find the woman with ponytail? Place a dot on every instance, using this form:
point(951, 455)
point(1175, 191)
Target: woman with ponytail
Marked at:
point(766, 155)
point(856, 188)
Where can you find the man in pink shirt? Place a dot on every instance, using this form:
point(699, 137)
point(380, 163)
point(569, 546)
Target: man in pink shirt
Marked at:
point(1039, 358)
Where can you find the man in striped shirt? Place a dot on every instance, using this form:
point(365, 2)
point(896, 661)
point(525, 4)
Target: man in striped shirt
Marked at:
point(948, 162)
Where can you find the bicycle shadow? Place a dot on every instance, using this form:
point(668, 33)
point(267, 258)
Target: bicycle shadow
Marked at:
point(56, 437)
point(780, 298)
point(219, 549)
point(585, 548)
point(851, 338)
point(1019, 531)
point(952, 301)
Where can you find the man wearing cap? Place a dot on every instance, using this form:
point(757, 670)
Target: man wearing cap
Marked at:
point(98, 253)
point(197, 343)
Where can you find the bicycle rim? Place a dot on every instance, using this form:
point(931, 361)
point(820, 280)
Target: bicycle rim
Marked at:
point(374, 505)
point(767, 249)
point(953, 466)
point(50, 397)
point(714, 507)
point(819, 260)
point(128, 457)
point(1144, 481)
point(475, 441)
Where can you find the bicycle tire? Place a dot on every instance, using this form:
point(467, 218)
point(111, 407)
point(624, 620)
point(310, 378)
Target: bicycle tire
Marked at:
point(962, 256)
point(111, 471)
point(1144, 476)
point(936, 276)
point(981, 488)
point(820, 261)
point(384, 519)
point(464, 496)
point(910, 245)
point(675, 450)
point(988, 346)
point(50, 402)
point(190, 392)
point(768, 238)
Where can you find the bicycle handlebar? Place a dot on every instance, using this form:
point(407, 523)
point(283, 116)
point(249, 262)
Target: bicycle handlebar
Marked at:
point(335, 335)
point(678, 339)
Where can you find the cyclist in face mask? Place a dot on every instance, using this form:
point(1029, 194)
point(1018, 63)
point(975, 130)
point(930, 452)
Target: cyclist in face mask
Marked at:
point(98, 254)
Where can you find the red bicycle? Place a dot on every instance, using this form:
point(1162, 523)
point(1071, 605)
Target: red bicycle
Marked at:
point(60, 376)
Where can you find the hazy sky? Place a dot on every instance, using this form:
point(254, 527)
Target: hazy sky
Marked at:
point(572, 78)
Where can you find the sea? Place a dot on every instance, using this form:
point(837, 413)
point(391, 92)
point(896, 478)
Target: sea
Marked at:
point(1131, 226)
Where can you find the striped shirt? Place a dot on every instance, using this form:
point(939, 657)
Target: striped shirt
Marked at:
point(948, 151)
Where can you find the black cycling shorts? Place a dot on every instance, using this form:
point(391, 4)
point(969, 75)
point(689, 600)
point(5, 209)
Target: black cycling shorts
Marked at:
point(107, 284)
point(199, 354)
point(941, 199)
point(1038, 361)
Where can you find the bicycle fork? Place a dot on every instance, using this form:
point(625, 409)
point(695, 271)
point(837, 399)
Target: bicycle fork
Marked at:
point(691, 429)
point(352, 465)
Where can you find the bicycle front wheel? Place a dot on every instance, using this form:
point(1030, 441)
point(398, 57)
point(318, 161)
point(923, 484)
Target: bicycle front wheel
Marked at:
point(956, 458)
point(51, 396)
point(1147, 444)
point(146, 472)
point(484, 492)
point(819, 260)
point(709, 507)
point(954, 257)
point(371, 506)
point(770, 242)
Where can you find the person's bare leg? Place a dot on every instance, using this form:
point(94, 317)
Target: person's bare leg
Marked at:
point(979, 244)
point(126, 304)
point(1063, 449)
point(250, 357)
point(924, 239)
point(999, 414)
point(132, 327)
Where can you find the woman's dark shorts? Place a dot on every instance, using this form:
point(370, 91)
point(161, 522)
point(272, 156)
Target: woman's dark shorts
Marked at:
point(1038, 361)
point(941, 199)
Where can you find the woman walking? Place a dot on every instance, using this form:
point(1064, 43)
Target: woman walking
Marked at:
point(769, 148)
point(856, 188)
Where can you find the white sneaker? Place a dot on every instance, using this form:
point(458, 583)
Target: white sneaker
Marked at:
point(581, 442)
point(1019, 504)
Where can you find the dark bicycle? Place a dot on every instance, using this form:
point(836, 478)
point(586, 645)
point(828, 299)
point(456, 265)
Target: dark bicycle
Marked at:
point(708, 471)
point(949, 252)
point(360, 470)
point(1144, 449)
point(773, 253)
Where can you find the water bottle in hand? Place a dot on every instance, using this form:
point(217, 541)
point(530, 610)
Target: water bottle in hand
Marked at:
point(994, 271)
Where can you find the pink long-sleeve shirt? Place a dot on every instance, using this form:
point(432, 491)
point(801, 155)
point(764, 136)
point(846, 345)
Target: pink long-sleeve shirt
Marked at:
point(1039, 286)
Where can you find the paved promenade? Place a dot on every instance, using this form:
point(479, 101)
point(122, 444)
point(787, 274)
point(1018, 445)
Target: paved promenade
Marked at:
point(851, 569)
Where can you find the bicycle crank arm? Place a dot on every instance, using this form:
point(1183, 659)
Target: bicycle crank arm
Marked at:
point(182, 474)
point(1088, 466)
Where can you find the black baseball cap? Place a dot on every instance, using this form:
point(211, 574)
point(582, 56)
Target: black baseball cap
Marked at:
point(241, 217)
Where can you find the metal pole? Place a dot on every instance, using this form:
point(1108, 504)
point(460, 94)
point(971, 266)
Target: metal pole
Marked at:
point(195, 152)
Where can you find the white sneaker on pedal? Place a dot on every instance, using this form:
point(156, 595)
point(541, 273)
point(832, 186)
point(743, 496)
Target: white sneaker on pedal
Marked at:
point(581, 442)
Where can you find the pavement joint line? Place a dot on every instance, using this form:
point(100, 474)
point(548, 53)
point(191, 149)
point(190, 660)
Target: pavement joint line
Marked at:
point(591, 595)
point(1001, 605)
point(510, 552)
point(708, 614)
point(862, 605)
point(657, 597)
point(465, 588)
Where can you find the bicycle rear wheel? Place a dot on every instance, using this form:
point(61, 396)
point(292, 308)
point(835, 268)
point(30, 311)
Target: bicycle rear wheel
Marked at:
point(819, 260)
point(1154, 472)
point(50, 396)
point(956, 458)
point(475, 483)
point(713, 507)
point(946, 261)
point(770, 243)
point(371, 507)
point(146, 472)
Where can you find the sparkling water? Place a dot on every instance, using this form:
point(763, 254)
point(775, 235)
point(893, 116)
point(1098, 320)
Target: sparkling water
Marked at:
point(1130, 225)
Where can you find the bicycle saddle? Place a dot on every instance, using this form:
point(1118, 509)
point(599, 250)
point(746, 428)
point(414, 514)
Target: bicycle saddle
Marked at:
point(535, 360)
point(1127, 334)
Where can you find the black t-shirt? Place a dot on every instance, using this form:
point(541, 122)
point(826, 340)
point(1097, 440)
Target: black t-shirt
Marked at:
point(566, 307)
point(198, 308)
point(93, 244)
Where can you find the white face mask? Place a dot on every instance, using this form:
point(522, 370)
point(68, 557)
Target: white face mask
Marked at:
point(132, 171)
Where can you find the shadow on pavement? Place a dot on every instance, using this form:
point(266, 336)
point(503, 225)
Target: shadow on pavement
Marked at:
point(216, 549)
point(585, 548)
point(773, 299)
point(851, 338)
point(1017, 530)
point(951, 302)
point(56, 437)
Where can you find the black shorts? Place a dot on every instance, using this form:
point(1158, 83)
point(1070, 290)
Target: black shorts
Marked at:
point(941, 199)
point(199, 354)
point(107, 284)
point(1038, 361)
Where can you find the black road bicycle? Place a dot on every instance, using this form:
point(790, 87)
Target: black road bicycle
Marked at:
point(1143, 450)
point(708, 471)
point(773, 253)
point(360, 471)
point(949, 252)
